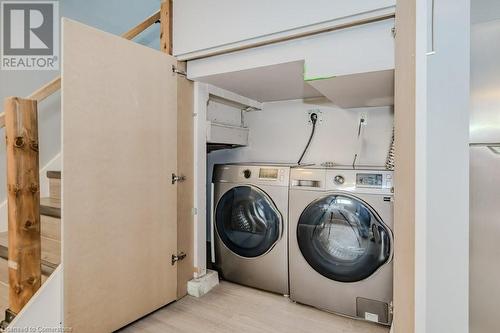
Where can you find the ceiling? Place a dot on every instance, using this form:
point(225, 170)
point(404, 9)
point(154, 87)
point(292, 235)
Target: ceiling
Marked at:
point(279, 82)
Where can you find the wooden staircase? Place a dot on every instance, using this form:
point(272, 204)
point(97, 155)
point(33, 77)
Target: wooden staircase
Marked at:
point(50, 213)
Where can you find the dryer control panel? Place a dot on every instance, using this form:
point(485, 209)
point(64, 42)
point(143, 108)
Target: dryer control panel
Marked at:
point(374, 180)
point(369, 181)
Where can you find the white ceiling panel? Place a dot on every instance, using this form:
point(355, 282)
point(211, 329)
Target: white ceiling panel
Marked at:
point(266, 84)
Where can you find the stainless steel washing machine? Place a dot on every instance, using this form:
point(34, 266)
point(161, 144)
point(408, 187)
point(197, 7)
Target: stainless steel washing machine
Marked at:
point(250, 225)
point(341, 241)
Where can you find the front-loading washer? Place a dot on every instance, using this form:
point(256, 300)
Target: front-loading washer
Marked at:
point(250, 224)
point(341, 241)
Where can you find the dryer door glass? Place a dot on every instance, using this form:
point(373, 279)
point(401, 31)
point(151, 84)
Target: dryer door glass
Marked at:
point(343, 239)
point(247, 221)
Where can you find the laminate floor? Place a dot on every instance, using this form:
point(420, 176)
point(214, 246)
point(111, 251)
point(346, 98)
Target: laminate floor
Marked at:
point(237, 309)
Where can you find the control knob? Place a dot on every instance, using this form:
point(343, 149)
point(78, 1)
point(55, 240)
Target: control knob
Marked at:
point(247, 173)
point(339, 180)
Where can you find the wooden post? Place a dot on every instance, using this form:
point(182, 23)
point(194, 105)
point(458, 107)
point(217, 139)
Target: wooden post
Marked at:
point(23, 200)
point(166, 26)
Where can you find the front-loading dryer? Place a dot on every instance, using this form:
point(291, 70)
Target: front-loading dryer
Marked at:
point(250, 229)
point(341, 241)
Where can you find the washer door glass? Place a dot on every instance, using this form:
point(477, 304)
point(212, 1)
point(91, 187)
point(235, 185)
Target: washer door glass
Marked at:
point(247, 221)
point(342, 238)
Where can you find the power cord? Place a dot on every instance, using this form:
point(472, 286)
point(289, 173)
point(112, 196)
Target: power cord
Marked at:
point(314, 120)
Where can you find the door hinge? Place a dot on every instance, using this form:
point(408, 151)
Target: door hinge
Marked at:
point(176, 178)
point(391, 308)
point(178, 71)
point(178, 257)
point(393, 30)
point(9, 317)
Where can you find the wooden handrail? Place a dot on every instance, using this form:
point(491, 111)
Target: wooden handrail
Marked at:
point(54, 85)
point(132, 33)
point(46, 90)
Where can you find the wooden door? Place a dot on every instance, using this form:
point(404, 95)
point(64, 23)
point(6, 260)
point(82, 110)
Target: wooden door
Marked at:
point(119, 150)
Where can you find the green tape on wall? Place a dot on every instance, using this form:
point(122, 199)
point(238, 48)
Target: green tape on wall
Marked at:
point(309, 79)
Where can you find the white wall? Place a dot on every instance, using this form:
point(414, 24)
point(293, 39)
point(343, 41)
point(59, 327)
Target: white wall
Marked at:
point(205, 26)
point(447, 193)
point(280, 132)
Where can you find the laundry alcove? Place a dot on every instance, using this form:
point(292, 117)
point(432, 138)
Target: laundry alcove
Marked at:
point(258, 101)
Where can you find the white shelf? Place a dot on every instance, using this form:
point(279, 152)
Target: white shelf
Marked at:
point(226, 134)
point(358, 90)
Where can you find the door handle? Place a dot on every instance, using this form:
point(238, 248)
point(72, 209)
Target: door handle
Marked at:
point(431, 49)
point(176, 178)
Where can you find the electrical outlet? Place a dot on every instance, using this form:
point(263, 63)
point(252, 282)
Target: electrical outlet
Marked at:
point(318, 112)
point(363, 118)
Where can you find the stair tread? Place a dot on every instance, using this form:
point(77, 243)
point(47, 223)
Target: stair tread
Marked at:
point(51, 250)
point(50, 207)
point(54, 174)
point(55, 188)
point(50, 202)
point(50, 227)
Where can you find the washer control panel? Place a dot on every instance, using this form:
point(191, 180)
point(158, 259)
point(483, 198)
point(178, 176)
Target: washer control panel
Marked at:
point(264, 173)
point(252, 174)
point(270, 173)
